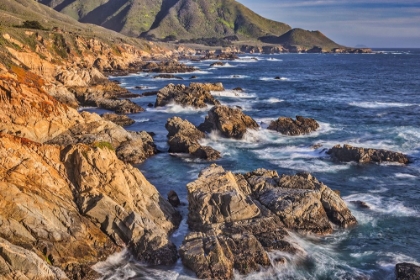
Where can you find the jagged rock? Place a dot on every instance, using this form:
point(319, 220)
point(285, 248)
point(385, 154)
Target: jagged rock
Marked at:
point(168, 67)
point(407, 271)
point(62, 94)
point(221, 56)
point(19, 263)
point(93, 130)
point(121, 120)
point(183, 137)
point(173, 198)
point(167, 76)
point(238, 89)
point(231, 122)
point(185, 96)
point(364, 155)
point(232, 231)
point(292, 127)
point(208, 86)
point(301, 201)
point(107, 95)
point(127, 207)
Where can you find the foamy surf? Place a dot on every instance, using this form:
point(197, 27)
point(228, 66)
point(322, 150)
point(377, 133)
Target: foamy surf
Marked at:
point(232, 94)
point(274, 79)
point(380, 105)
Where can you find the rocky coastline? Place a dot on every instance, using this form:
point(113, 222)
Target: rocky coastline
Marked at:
point(70, 195)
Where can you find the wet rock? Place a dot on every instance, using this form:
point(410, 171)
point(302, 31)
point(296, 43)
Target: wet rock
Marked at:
point(360, 204)
point(173, 199)
point(217, 64)
point(365, 155)
point(183, 137)
point(121, 120)
point(407, 271)
point(238, 89)
point(140, 87)
point(186, 96)
point(150, 105)
point(193, 77)
point(277, 78)
point(230, 122)
point(292, 127)
point(149, 93)
point(207, 86)
point(168, 67)
point(167, 76)
point(221, 56)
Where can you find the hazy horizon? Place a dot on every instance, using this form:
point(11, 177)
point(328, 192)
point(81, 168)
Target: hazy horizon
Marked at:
point(373, 23)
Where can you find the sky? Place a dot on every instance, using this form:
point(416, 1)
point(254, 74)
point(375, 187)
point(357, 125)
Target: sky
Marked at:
point(373, 23)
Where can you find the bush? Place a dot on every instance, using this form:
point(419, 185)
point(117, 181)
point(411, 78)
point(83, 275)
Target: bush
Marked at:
point(32, 24)
point(103, 145)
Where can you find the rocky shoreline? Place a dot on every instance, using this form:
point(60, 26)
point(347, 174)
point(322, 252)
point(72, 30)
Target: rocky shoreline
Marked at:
point(70, 196)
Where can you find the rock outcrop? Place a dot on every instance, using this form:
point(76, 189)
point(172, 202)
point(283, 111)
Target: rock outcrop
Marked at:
point(208, 86)
point(121, 120)
point(364, 155)
point(194, 96)
point(74, 207)
point(184, 137)
point(172, 66)
point(230, 122)
point(407, 271)
point(236, 219)
point(132, 147)
point(293, 127)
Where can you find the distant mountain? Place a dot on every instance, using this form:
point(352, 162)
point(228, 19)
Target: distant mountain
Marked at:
point(188, 19)
point(184, 19)
point(303, 38)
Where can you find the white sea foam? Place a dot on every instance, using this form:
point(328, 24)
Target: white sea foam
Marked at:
point(175, 108)
point(247, 59)
point(141, 120)
point(233, 77)
point(274, 100)
point(378, 204)
point(378, 105)
point(273, 79)
point(232, 94)
point(274, 59)
point(406, 176)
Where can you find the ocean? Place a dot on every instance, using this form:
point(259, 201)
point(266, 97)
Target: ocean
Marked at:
point(369, 100)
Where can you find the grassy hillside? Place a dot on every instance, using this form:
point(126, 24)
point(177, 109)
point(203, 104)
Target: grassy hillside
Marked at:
point(303, 38)
point(184, 19)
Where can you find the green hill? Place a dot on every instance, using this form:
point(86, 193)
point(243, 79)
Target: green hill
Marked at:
point(185, 19)
point(302, 38)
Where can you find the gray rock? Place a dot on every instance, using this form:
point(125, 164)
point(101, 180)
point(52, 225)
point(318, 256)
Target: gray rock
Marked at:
point(186, 96)
point(292, 127)
point(407, 271)
point(121, 120)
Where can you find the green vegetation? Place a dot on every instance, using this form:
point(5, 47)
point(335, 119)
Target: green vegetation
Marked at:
point(103, 145)
point(60, 46)
point(32, 24)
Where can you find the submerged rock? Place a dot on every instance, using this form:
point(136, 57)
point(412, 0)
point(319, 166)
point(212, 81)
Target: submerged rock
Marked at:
point(292, 127)
point(173, 198)
point(364, 155)
point(230, 122)
point(407, 271)
point(236, 219)
point(183, 137)
point(194, 96)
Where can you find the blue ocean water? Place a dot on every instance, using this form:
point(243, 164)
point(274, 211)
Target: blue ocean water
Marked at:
point(370, 100)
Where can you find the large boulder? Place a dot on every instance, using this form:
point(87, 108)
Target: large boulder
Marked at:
point(237, 219)
point(230, 122)
point(172, 66)
point(93, 130)
point(121, 120)
point(186, 96)
point(184, 137)
point(364, 155)
point(208, 86)
point(293, 127)
point(407, 271)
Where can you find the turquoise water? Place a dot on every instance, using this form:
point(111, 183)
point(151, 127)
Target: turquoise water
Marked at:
point(363, 100)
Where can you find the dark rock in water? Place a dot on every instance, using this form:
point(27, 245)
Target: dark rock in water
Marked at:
point(231, 122)
point(168, 67)
point(407, 271)
point(193, 77)
point(121, 120)
point(238, 89)
point(149, 93)
point(364, 155)
point(360, 204)
point(167, 76)
point(150, 105)
point(236, 219)
point(316, 146)
point(183, 137)
point(173, 198)
point(125, 106)
point(140, 87)
point(277, 78)
point(195, 96)
point(222, 56)
point(217, 64)
point(292, 127)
